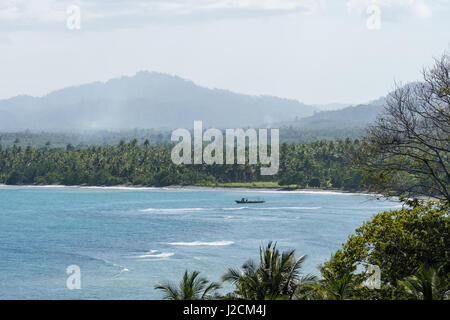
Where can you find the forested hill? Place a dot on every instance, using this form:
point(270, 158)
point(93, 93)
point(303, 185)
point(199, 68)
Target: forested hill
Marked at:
point(359, 116)
point(146, 100)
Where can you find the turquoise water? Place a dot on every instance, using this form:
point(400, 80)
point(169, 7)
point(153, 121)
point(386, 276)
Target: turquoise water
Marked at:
point(126, 241)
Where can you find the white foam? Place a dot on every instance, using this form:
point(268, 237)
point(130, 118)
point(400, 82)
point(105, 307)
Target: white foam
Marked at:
point(236, 208)
point(55, 186)
point(202, 243)
point(119, 188)
point(153, 260)
point(173, 210)
point(122, 268)
point(288, 208)
point(153, 254)
point(318, 192)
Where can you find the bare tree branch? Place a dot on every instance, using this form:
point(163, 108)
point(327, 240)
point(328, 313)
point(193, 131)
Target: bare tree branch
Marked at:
point(407, 150)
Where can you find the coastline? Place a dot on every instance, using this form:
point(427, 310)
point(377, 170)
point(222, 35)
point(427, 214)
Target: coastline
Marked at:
point(205, 188)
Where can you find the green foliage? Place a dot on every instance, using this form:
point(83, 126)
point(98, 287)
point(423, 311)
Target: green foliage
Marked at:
point(291, 134)
point(426, 284)
point(85, 140)
point(320, 164)
point(419, 236)
point(331, 287)
point(276, 277)
point(191, 287)
point(399, 242)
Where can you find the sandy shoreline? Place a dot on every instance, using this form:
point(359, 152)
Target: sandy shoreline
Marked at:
point(201, 188)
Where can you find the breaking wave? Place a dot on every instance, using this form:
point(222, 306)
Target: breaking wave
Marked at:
point(289, 208)
point(154, 254)
point(202, 243)
point(173, 210)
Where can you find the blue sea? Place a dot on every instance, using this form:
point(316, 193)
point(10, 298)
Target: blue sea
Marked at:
point(126, 240)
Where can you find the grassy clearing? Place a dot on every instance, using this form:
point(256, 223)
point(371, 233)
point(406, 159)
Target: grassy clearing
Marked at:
point(260, 184)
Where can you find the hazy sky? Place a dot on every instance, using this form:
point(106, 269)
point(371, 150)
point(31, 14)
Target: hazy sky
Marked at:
point(315, 51)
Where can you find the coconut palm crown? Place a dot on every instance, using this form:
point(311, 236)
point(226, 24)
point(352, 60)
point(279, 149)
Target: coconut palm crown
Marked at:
point(191, 287)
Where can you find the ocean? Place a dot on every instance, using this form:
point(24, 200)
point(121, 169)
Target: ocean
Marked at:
point(126, 240)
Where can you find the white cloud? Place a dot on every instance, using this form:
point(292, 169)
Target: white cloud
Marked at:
point(189, 6)
point(33, 13)
point(28, 11)
point(183, 7)
point(393, 9)
point(421, 10)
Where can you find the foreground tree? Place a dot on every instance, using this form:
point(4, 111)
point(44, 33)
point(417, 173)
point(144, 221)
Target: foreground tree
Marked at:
point(426, 284)
point(330, 287)
point(407, 150)
point(399, 242)
point(336, 288)
point(191, 287)
point(276, 277)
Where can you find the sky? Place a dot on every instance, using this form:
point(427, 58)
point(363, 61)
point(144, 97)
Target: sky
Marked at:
point(314, 51)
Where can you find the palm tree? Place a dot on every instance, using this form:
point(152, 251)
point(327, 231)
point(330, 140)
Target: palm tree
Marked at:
point(426, 285)
point(191, 287)
point(307, 288)
point(246, 280)
point(276, 276)
point(333, 287)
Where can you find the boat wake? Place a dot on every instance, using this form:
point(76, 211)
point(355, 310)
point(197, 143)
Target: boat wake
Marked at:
point(232, 209)
point(154, 254)
point(121, 268)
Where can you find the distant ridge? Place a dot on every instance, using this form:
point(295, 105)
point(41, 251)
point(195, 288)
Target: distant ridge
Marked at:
point(145, 100)
point(358, 116)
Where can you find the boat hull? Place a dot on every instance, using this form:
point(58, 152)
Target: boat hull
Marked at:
point(248, 202)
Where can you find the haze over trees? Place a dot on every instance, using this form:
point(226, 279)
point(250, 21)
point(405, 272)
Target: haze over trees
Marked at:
point(164, 102)
point(349, 117)
point(85, 139)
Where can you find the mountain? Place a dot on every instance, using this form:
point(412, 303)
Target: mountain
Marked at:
point(145, 100)
point(358, 116)
point(331, 106)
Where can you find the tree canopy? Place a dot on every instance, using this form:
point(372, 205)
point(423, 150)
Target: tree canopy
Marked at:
point(407, 151)
point(399, 242)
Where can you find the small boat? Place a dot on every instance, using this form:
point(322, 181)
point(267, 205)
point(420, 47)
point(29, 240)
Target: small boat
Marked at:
point(245, 200)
